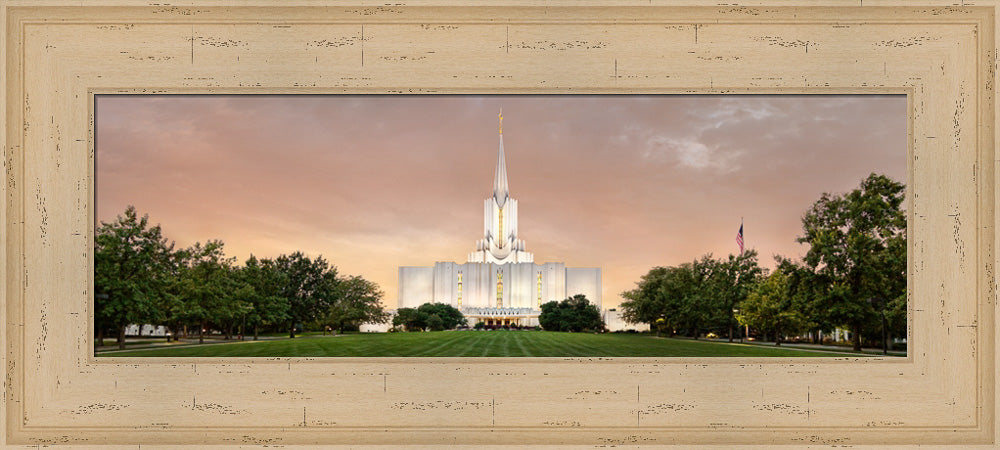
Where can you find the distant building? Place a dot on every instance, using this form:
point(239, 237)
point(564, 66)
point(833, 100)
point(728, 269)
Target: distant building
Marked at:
point(613, 321)
point(145, 330)
point(500, 284)
point(369, 327)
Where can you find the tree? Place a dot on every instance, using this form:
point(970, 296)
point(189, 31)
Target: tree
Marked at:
point(681, 296)
point(206, 286)
point(857, 251)
point(769, 308)
point(357, 301)
point(410, 319)
point(644, 304)
point(308, 287)
point(433, 316)
point(450, 316)
point(805, 289)
point(730, 283)
point(266, 281)
point(435, 323)
point(575, 313)
point(696, 296)
point(131, 273)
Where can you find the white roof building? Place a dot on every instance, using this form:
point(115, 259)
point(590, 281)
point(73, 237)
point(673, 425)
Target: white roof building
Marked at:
point(500, 284)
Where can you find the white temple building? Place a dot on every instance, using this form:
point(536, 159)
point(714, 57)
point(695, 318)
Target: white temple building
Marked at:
point(500, 283)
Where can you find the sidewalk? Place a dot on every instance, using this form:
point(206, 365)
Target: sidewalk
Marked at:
point(187, 342)
point(817, 347)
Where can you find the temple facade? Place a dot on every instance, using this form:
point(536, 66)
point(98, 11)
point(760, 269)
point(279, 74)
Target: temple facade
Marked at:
point(500, 283)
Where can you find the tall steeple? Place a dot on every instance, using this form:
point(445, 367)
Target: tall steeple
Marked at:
point(500, 244)
point(500, 191)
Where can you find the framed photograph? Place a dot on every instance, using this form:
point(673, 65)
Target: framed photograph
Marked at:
point(937, 61)
point(335, 216)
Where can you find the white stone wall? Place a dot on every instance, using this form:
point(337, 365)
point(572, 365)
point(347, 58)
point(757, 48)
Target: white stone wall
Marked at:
point(586, 281)
point(419, 285)
point(553, 282)
point(416, 286)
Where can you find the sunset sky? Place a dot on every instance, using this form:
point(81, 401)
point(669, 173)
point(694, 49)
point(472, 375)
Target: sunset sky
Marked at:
point(624, 183)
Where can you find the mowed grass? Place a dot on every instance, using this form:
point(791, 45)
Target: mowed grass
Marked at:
point(476, 344)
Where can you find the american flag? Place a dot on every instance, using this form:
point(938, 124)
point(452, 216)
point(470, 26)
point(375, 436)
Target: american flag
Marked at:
point(739, 238)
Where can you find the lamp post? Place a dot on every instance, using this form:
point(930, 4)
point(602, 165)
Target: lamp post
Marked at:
point(738, 329)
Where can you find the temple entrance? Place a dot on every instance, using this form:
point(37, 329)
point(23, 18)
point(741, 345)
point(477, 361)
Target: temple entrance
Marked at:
point(503, 321)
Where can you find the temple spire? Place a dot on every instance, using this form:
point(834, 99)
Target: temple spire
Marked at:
point(500, 178)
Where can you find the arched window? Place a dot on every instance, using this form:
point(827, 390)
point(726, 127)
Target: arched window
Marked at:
point(539, 289)
point(499, 289)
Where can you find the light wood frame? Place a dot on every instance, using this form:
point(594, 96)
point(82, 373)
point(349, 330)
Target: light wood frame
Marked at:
point(59, 54)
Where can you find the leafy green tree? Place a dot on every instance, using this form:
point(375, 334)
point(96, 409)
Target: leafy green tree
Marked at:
point(423, 317)
point(645, 304)
point(696, 296)
point(805, 290)
point(308, 289)
point(357, 301)
point(671, 298)
point(450, 316)
point(132, 269)
point(265, 282)
point(410, 319)
point(434, 322)
point(729, 284)
point(575, 313)
point(206, 286)
point(857, 251)
point(551, 317)
point(769, 308)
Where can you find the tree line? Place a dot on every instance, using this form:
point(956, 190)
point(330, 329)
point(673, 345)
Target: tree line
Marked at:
point(141, 278)
point(853, 277)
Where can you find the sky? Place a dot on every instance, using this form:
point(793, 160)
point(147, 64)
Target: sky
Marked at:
point(624, 183)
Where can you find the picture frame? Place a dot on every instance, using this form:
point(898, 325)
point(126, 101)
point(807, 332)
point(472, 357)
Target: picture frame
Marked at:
point(59, 54)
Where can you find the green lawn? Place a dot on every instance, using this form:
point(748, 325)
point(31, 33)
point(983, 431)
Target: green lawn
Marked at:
point(475, 344)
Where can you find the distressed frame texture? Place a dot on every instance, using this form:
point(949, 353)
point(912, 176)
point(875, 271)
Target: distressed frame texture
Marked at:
point(59, 54)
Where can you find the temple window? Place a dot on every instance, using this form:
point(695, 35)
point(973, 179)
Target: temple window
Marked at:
point(499, 289)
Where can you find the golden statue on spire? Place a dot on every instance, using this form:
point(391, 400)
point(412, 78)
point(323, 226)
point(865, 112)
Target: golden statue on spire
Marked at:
point(501, 120)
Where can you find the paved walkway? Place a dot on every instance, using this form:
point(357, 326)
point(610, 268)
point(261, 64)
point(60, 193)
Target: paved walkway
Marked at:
point(816, 347)
point(192, 342)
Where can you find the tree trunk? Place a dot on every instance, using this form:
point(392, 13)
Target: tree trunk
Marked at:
point(184, 332)
point(255, 332)
point(291, 331)
point(229, 332)
point(857, 340)
point(121, 337)
point(100, 337)
point(201, 333)
point(777, 337)
point(730, 330)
